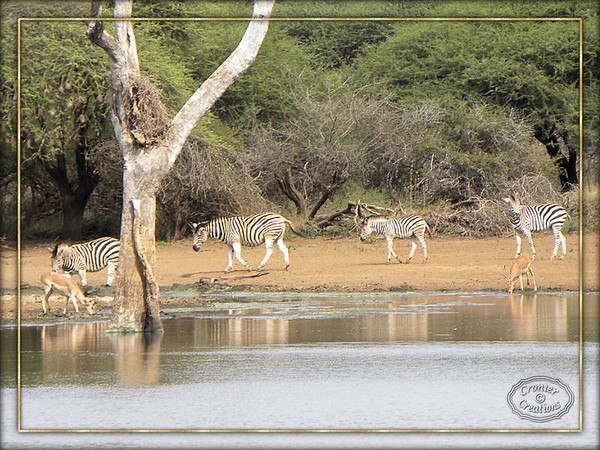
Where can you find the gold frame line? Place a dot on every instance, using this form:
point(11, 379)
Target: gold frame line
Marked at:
point(307, 19)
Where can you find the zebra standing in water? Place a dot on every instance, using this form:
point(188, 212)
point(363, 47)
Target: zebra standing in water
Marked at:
point(526, 219)
point(246, 230)
point(411, 226)
point(90, 256)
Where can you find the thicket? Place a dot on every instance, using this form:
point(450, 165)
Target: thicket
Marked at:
point(440, 118)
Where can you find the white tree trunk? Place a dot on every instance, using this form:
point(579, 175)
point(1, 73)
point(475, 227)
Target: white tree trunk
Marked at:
point(136, 305)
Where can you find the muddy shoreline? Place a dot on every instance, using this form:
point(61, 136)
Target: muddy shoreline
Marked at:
point(318, 266)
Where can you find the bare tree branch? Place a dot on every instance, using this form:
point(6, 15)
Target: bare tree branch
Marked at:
point(98, 35)
point(215, 85)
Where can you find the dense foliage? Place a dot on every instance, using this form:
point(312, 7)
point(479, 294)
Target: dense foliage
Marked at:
point(441, 117)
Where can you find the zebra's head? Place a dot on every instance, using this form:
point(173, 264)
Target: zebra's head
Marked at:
point(513, 202)
point(365, 229)
point(57, 254)
point(200, 236)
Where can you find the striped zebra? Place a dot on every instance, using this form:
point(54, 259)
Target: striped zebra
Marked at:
point(90, 256)
point(249, 231)
point(411, 226)
point(526, 219)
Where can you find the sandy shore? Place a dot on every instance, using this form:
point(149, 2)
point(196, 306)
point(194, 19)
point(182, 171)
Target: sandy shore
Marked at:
point(323, 265)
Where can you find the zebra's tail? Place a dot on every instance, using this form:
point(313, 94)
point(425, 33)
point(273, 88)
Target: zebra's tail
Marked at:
point(428, 231)
point(295, 231)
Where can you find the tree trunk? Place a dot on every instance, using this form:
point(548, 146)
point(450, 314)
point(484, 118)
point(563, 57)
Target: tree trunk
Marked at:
point(146, 163)
point(134, 310)
point(565, 157)
point(288, 187)
point(74, 193)
point(73, 209)
point(326, 193)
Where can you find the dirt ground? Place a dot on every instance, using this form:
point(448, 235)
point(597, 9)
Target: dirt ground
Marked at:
point(318, 265)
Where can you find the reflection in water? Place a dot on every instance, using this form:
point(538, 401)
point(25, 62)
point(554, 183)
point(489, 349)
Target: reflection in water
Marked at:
point(137, 358)
point(543, 319)
point(82, 353)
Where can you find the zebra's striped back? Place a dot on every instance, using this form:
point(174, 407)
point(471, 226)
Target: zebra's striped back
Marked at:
point(540, 217)
point(404, 227)
point(247, 230)
point(90, 256)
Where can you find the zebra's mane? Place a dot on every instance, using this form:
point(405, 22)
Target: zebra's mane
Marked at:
point(60, 245)
point(378, 218)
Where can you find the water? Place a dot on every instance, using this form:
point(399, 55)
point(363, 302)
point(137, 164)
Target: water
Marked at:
point(439, 362)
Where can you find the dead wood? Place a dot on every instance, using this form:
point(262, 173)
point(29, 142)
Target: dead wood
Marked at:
point(240, 277)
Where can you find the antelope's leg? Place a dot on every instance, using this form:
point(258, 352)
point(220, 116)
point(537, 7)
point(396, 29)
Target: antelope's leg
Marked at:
point(47, 293)
point(533, 279)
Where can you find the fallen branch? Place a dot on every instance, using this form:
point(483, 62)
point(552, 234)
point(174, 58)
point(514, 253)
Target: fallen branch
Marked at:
point(350, 211)
point(239, 277)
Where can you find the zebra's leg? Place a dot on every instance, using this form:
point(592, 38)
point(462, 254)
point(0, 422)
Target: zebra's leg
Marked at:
point(286, 254)
point(390, 243)
point(229, 259)
point(559, 239)
point(111, 274)
point(421, 240)
point(527, 234)
point(82, 278)
point(413, 247)
point(269, 247)
point(518, 239)
point(237, 253)
point(563, 245)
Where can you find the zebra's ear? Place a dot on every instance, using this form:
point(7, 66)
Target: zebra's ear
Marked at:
point(193, 226)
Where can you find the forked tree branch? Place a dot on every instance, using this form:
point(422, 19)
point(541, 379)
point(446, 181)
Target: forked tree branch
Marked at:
point(217, 83)
point(98, 35)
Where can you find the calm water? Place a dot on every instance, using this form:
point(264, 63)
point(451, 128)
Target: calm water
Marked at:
point(290, 363)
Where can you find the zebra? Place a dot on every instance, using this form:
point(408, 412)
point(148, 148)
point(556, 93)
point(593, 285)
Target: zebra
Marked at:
point(249, 231)
point(411, 226)
point(90, 256)
point(526, 219)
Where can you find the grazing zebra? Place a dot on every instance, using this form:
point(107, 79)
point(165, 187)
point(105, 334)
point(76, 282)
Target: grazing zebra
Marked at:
point(247, 230)
point(526, 219)
point(411, 226)
point(89, 256)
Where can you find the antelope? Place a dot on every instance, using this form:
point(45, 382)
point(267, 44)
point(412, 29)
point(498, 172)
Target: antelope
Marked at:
point(521, 266)
point(64, 284)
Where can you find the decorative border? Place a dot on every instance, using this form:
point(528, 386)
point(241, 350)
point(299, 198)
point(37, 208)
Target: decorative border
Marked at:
point(305, 19)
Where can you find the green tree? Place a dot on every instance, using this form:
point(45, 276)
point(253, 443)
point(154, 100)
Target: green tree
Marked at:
point(530, 66)
point(64, 114)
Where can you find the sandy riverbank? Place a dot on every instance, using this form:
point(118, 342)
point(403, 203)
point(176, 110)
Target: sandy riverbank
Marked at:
point(324, 265)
